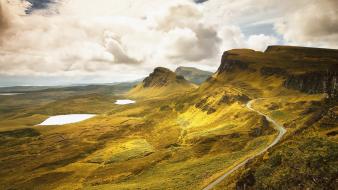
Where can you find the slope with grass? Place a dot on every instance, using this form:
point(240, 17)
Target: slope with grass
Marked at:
point(281, 131)
point(177, 136)
point(193, 75)
point(299, 88)
point(161, 82)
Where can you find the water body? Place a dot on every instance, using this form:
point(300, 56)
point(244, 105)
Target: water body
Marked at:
point(124, 102)
point(66, 119)
point(9, 94)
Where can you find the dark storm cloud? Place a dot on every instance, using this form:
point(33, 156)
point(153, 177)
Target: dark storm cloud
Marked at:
point(39, 4)
point(200, 1)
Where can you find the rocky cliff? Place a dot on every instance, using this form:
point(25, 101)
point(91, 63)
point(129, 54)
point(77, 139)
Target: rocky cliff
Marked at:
point(314, 82)
point(161, 82)
point(309, 70)
point(161, 77)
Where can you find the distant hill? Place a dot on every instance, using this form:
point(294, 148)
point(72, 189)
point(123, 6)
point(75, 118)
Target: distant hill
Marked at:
point(309, 70)
point(193, 75)
point(161, 81)
point(116, 88)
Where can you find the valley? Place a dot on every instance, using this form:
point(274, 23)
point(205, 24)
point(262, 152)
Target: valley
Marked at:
point(264, 120)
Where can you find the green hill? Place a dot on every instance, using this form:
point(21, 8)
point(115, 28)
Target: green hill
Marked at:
point(161, 82)
point(299, 90)
point(178, 136)
point(193, 75)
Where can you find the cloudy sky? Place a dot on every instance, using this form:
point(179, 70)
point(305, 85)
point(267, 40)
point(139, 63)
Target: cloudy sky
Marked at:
point(51, 42)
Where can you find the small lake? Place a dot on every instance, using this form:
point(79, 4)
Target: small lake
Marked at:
point(124, 102)
point(66, 119)
point(9, 94)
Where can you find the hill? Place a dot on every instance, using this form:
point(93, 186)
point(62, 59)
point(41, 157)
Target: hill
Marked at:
point(294, 68)
point(297, 87)
point(161, 82)
point(193, 75)
point(178, 137)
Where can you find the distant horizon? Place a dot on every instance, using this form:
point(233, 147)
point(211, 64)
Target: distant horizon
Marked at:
point(47, 84)
point(83, 41)
point(88, 83)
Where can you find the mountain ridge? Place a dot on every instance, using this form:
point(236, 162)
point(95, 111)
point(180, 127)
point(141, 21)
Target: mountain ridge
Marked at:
point(161, 81)
point(193, 74)
point(297, 70)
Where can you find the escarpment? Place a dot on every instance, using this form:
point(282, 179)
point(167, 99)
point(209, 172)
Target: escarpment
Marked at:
point(162, 77)
point(308, 70)
point(161, 82)
point(314, 82)
point(230, 62)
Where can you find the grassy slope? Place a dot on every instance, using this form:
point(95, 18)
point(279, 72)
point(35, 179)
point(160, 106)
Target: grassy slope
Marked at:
point(307, 156)
point(193, 75)
point(162, 142)
point(181, 141)
point(306, 159)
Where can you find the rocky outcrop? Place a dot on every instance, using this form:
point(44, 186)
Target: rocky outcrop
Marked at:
point(205, 107)
point(309, 70)
point(161, 82)
point(314, 83)
point(269, 71)
point(230, 64)
point(162, 77)
point(304, 52)
point(229, 99)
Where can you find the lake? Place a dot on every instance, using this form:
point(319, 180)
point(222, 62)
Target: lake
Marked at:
point(9, 94)
point(66, 119)
point(124, 102)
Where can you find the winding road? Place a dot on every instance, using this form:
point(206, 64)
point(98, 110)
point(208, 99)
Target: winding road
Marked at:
point(277, 126)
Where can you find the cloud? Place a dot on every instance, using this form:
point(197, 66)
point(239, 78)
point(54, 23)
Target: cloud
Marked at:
point(113, 44)
point(40, 5)
point(187, 37)
point(315, 24)
point(232, 37)
point(70, 41)
point(4, 20)
point(260, 42)
point(200, 1)
point(104, 37)
point(9, 13)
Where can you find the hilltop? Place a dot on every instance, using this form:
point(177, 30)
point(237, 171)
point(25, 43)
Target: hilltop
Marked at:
point(161, 81)
point(193, 75)
point(295, 68)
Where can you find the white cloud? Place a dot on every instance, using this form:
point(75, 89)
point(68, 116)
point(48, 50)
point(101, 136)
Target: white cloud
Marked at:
point(260, 42)
point(187, 37)
point(232, 37)
point(103, 37)
point(315, 24)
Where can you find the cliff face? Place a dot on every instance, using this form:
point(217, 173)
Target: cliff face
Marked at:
point(230, 62)
point(303, 52)
point(314, 83)
point(309, 70)
point(162, 77)
point(161, 82)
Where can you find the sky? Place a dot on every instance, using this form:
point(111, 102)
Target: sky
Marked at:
point(57, 42)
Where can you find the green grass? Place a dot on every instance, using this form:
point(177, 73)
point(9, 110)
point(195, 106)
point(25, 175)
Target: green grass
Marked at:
point(128, 144)
point(172, 138)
